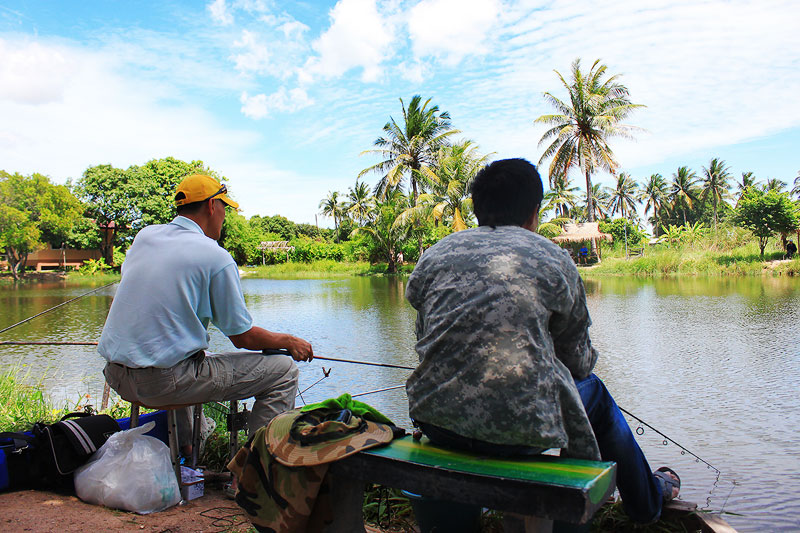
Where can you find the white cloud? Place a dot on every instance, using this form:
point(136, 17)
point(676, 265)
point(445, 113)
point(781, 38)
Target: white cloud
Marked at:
point(219, 12)
point(359, 37)
point(32, 74)
point(262, 105)
point(451, 29)
point(255, 58)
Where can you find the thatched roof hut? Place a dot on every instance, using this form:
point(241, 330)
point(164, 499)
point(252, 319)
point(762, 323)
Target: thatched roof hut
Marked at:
point(583, 232)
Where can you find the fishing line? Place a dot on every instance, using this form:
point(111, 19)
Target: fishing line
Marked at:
point(56, 307)
point(325, 374)
point(640, 431)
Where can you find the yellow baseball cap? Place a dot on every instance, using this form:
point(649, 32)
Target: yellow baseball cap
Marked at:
point(199, 188)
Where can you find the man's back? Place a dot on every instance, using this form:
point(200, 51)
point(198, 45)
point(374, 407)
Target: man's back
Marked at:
point(166, 297)
point(502, 330)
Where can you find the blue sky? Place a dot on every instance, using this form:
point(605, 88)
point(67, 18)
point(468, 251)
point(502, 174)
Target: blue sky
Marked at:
point(282, 97)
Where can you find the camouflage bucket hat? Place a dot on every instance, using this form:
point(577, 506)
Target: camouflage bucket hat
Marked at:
point(315, 437)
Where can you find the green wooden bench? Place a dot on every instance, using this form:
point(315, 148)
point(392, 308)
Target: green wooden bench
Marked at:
point(543, 486)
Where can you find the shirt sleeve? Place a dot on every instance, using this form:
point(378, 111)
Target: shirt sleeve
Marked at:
point(570, 332)
point(228, 309)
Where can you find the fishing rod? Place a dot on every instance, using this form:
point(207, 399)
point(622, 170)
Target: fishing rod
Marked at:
point(46, 343)
point(640, 431)
point(56, 307)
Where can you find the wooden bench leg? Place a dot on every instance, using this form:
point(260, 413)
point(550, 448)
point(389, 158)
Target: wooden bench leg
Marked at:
point(134, 416)
point(347, 499)
point(516, 523)
point(198, 412)
point(172, 429)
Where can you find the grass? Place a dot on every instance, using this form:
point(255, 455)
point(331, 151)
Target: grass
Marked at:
point(322, 269)
point(23, 404)
point(701, 259)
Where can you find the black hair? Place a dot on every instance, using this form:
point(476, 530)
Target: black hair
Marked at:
point(506, 193)
point(187, 209)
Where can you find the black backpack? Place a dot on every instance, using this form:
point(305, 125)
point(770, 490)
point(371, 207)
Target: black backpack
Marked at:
point(46, 457)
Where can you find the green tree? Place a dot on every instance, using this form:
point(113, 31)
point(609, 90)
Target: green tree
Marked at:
point(34, 202)
point(748, 180)
point(683, 190)
point(766, 213)
point(562, 197)
point(581, 129)
point(623, 231)
point(19, 236)
point(654, 195)
point(774, 184)
point(600, 201)
point(387, 237)
point(624, 196)
point(407, 148)
point(155, 183)
point(360, 203)
point(715, 184)
point(331, 206)
point(449, 182)
point(109, 194)
point(241, 238)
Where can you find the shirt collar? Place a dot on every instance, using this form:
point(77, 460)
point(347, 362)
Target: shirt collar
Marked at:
point(187, 223)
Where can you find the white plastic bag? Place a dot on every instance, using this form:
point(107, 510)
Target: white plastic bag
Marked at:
point(131, 471)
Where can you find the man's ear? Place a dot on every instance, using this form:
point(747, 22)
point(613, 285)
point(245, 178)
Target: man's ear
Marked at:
point(533, 221)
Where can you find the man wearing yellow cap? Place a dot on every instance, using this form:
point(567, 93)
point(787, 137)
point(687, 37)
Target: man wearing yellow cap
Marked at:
point(175, 280)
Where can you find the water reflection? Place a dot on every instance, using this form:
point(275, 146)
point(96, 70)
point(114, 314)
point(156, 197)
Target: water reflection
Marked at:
point(712, 363)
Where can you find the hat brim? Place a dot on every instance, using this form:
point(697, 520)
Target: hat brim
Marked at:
point(224, 198)
point(291, 453)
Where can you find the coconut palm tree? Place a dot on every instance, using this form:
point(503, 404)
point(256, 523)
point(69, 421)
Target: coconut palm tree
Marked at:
point(562, 197)
point(449, 182)
point(386, 234)
point(683, 189)
point(654, 194)
point(796, 185)
point(748, 180)
point(360, 203)
point(774, 184)
point(600, 201)
point(715, 184)
point(331, 206)
point(624, 196)
point(408, 148)
point(581, 129)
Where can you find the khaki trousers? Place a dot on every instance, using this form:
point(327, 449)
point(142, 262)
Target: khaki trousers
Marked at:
point(207, 377)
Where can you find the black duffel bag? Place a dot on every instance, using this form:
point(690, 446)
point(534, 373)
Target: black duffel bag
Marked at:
point(46, 457)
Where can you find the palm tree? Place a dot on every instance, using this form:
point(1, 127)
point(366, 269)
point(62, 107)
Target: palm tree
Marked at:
point(600, 200)
point(748, 180)
point(796, 185)
point(386, 234)
point(775, 184)
point(683, 189)
point(715, 184)
point(624, 196)
point(654, 194)
point(449, 182)
point(562, 197)
point(332, 207)
point(409, 147)
point(360, 204)
point(581, 129)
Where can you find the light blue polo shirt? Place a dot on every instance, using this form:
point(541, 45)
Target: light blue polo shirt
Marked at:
point(175, 280)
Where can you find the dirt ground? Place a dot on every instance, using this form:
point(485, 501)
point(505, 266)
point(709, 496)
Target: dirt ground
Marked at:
point(45, 512)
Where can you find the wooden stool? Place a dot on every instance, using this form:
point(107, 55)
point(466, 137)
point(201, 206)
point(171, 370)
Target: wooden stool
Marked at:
point(172, 431)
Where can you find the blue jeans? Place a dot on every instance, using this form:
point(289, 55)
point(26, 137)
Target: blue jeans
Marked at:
point(641, 493)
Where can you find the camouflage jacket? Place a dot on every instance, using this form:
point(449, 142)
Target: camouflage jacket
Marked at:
point(502, 331)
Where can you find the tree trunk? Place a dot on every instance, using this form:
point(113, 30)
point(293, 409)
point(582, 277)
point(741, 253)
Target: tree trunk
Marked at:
point(391, 267)
point(590, 209)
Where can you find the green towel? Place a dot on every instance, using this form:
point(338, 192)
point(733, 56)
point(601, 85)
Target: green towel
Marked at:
point(345, 401)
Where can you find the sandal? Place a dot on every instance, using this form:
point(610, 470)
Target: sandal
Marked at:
point(229, 490)
point(667, 482)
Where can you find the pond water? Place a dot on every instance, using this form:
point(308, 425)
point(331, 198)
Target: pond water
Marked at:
point(711, 363)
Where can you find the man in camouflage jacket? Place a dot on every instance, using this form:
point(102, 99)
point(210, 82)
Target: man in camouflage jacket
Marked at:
point(503, 339)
